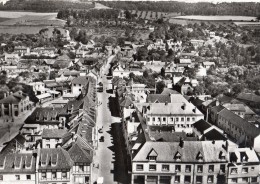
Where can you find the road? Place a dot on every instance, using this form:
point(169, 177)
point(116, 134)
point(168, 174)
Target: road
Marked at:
point(110, 153)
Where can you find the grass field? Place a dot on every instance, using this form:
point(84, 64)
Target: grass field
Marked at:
point(215, 18)
point(17, 14)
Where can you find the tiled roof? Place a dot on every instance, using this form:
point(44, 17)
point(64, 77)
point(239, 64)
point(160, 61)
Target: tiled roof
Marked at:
point(159, 98)
point(249, 97)
point(189, 152)
point(201, 125)
point(80, 80)
point(174, 109)
point(55, 158)
point(79, 155)
point(53, 133)
point(235, 107)
point(17, 163)
point(169, 136)
point(217, 109)
point(247, 127)
point(38, 115)
point(15, 98)
point(249, 154)
point(167, 91)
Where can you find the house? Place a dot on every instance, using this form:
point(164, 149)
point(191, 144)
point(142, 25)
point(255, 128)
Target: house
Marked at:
point(245, 133)
point(40, 119)
point(15, 104)
point(177, 113)
point(18, 168)
point(184, 62)
point(21, 50)
point(201, 72)
point(38, 87)
point(197, 43)
point(208, 64)
point(243, 166)
point(9, 58)
point(51, 138)
point(250, 99)
point(121, 73)
point(54, 166)
point(184, 84)
point(180, 162)
point(78, 84)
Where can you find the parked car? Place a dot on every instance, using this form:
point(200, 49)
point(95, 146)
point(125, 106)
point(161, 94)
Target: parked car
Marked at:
point(101, 139)
point(100, 130)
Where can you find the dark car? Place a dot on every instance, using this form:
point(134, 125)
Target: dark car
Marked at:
point(101, 139)
point(100, 130)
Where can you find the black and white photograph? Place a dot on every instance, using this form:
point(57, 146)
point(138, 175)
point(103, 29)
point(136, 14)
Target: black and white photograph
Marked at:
point(130, 92)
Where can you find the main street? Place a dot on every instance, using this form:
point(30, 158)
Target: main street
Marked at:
point(109, 158)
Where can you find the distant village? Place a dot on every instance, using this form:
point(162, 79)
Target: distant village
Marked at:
point(187, 97)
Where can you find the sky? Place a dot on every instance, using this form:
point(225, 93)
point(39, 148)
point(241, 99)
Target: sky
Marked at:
point(217, 1)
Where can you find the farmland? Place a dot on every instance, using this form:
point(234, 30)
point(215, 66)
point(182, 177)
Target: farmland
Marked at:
point(216, 18)
point(27, 22)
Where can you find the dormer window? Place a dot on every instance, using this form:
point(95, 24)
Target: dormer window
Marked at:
point(37, 118)
point(200, 157)
point(18, 163)
point(222, 155)
point(45, 118)
point(177, 156)
point(152, 156)
point(54, 159)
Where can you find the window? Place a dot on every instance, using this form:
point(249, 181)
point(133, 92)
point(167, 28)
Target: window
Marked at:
point(188, 119)
point(193, 119)
point(17, 177)
point(198, 179)
point(53, 175)
point(187, 179)
point(47, 140)
point(177, 168)
point(81, 168)
point(234, 180)
point(164, 119)
point(211, 168)
point(43, 175)
point(245, 179)
point(252, 168)
point(244, 170)
point(171, 119)
point(152, 167)
point(139, 167)
point(177, 179)
point(28, 177)
point(200, 168)
point(254, 179)
point(152, 158)
point(1, 177)
point(79, 89)
point(153, 119)
point(64, 175)
point(188, 168)
point(210, 179)
point(48, 145)
point(165, 167)
point(233, 171)
point(182, 119)
point(177, 119)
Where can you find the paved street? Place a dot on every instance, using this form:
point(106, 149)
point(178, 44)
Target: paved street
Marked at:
point(110, 153)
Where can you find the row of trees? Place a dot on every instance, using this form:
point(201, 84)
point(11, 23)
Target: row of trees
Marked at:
point(43, 6)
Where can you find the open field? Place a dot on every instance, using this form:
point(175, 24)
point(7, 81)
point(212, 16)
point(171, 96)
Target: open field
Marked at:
point(216, 18)
point(17, 14)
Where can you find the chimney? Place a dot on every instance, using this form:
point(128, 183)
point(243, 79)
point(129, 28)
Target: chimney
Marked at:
point(217, 102)
point(184, 106)
point(195, 109)
point(213, 142)
point(181, 144)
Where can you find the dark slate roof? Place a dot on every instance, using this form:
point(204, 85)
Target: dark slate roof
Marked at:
point(55, 158)
point(201, 125)
point(17, 163)
point(217, 109)
point(214, 135)
point(17, 142)
point(170, 137)
point(53, 133)
point(159, 98)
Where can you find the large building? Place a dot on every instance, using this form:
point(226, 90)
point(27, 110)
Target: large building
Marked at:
point(180, 162)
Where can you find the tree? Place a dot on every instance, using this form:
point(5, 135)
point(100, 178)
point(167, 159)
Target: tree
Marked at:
point(238, 88)
point(163, 72)
point(145, 74)
point(131, 75)
point(128, 15)
point(142, 53)
point(160, 87)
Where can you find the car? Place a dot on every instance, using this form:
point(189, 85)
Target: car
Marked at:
point(100, 130)
point(101, 139)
